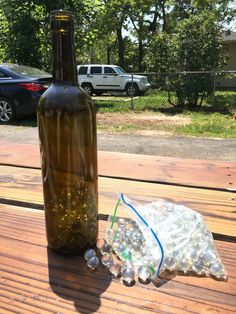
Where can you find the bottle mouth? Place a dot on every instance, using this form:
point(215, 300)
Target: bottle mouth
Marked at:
point(61, 20)
point(61, 15)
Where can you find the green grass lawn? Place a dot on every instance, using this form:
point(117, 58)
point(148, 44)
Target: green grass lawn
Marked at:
point(208, 120)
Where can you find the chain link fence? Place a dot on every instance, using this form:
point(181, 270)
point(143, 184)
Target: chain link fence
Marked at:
point(171, 88)
point(175, 87)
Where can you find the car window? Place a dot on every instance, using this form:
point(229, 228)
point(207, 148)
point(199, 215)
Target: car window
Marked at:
point(109, 70)
point(96, 70)
point(27, 71)
point(83, 70)
point(2, 75)
point(120, 70)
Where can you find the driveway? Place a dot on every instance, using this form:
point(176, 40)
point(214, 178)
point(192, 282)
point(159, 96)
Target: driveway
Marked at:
point(161, 145)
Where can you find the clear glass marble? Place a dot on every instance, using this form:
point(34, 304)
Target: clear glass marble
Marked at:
point(105, 249)
point(110, 233)
point(198, 268)
point(100, 243)
point(218, 271)
point(209, 257)
point(93, 262)
point(107, 260)
point(169, 263)
point(115, 269)
point(103, 246)
point(89, 253)
point(128, 275)
point(122, 222)
point(183, 265)
point(120, 248)
point(191, 254)
point(126, 264)
point(144, 273)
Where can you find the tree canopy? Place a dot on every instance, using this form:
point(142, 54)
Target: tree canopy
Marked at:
point(142, 34)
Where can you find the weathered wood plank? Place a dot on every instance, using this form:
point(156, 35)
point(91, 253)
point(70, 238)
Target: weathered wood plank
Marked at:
point(218, 207)
point(35, 280)
point(202, 173)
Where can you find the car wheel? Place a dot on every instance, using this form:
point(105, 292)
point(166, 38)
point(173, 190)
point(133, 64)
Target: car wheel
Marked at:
point(98, 93)
point(132, 90)
point(88, 88)
point(7, 110)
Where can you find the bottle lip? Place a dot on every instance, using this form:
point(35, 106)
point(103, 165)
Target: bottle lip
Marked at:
point(61, 15)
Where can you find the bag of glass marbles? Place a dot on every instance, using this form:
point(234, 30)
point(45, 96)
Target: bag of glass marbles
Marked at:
point(164, 236)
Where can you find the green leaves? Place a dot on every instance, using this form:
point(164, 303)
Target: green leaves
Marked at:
point(3, 36)
point(195, 46)
point(162, 54)
point(163, 35)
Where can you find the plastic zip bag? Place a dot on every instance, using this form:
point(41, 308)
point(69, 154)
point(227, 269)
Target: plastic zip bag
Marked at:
point(164, 236)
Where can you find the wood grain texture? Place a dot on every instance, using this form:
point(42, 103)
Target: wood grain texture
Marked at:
point(218, 207)
point(202, 173)
point(35, 280)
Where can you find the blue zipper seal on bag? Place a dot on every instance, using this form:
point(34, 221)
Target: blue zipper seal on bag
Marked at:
point(152, 231)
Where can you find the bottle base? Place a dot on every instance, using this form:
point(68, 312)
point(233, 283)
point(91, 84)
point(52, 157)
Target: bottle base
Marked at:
point(68, 252)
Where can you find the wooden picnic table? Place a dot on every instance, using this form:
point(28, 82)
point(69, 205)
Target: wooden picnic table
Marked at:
point(33, 279)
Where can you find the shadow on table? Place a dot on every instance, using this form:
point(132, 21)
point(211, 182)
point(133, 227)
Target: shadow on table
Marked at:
point(70, 279)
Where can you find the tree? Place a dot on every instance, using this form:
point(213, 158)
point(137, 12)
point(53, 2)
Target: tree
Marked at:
point(196, 46)
point(148, 17)
point(98, 39)
point(224, 10)
point(118, 31)
point(115, 16)
point(162, 55)
point(28, 40)
point(22, 43)
point(3, 36)
point(199, 46)
point(137, 13)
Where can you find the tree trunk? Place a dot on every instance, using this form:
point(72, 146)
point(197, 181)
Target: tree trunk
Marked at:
point(163, 15)
point(140, 55)
point(121, 48)
point(153, 24)
point(108, 55)
point(29, 8)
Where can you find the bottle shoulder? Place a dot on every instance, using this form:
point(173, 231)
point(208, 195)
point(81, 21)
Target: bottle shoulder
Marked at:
point(64, 96)
point(57, 90)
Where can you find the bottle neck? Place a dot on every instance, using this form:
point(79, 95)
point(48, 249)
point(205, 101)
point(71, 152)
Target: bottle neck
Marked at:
point(64, 64)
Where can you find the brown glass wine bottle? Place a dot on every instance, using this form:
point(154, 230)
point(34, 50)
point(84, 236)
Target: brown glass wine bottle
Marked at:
point(68, 146)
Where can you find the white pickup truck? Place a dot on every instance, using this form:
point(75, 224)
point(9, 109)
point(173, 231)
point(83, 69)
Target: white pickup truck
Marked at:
point(99, 78)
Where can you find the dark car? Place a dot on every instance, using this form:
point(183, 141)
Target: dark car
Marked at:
point(20, 89)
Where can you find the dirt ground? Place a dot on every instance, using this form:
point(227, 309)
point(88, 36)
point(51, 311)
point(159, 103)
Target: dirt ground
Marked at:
point(142, 123)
